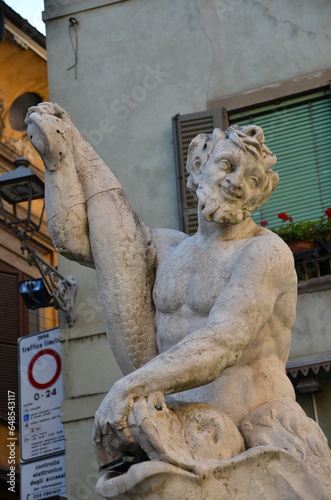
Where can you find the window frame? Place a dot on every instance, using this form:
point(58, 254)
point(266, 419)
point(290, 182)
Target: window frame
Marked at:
point(270, 93)
point(10, 381)
point(245, 100)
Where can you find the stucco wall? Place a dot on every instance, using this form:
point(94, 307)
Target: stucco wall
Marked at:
point(311, 332)
point(140, 62)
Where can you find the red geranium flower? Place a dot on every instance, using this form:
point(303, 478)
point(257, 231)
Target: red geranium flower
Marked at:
point(328, 213)
point(264, 223)
point(284, 217)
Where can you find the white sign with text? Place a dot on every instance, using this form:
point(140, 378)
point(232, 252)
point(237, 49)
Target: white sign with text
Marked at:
point(43, 479)
point(41, 394)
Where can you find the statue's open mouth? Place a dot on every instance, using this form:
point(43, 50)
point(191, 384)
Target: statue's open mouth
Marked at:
point(245, 473)
point(122, 465)
point(138, 478)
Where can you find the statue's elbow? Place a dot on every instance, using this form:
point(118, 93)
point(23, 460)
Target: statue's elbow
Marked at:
point(71, 241)
point(69, 250)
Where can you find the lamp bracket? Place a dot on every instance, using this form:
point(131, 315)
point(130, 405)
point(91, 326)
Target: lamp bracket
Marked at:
point(62, 288)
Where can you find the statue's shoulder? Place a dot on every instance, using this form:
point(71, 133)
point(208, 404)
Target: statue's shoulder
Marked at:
point(166, 239)
point(270, 241)
point(268, 249)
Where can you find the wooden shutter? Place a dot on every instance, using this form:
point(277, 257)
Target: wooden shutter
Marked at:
point(298, 131)
point(13, 323)
point(185, 128)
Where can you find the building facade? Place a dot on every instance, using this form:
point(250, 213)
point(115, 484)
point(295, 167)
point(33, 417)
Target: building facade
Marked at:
point(23, 82)
point(129, 72)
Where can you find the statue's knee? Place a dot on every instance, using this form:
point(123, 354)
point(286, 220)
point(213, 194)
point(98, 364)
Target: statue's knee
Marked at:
point(210, 433)
point(283, 424)
point(273, 422)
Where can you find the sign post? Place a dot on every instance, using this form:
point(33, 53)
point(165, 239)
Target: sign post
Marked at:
point(41, 429)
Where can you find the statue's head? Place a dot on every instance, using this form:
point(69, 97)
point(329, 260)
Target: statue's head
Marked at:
point(231, 172)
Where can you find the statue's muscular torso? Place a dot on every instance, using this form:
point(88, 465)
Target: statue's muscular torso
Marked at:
point(190, 278)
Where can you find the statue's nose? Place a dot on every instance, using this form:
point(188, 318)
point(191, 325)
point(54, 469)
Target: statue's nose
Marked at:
point(236, 180)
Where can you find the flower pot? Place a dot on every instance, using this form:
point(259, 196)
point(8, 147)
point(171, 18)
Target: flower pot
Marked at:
point(301, 246)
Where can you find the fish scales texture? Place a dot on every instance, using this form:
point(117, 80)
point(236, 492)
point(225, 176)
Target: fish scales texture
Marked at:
point(133, 307)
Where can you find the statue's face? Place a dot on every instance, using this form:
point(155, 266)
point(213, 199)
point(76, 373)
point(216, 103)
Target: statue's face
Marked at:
point(231, 184)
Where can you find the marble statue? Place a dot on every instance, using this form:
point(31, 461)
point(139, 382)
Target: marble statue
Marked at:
point(199, 325)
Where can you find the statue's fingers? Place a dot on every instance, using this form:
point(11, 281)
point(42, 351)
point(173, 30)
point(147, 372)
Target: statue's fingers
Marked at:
point(32, 109)
point(106, 447)
point(125, 435)
point(121, 430)
point(60, 112)
point(101, 453)
point(96, 433)
point(43, 108)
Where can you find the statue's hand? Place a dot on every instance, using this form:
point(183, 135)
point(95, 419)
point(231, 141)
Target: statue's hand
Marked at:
point(48, 128)
point(47, 108)
point(111, 430)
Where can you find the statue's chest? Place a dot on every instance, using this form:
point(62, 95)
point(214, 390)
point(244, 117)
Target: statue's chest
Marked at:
point(194, 279)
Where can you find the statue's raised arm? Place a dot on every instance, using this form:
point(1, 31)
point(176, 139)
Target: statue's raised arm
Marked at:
point(88, 212)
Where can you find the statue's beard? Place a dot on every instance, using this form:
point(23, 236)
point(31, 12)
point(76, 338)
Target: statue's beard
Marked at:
point(223, 212)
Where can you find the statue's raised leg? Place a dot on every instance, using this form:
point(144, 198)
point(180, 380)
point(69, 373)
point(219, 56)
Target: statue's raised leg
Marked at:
point(92, 222)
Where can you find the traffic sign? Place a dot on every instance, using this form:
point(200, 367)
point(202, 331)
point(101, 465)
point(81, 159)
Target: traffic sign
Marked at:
point(43, 479)
point(41, 395)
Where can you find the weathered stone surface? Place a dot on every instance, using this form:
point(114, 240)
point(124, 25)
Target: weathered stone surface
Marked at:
point(260, 473)
point(205, 318)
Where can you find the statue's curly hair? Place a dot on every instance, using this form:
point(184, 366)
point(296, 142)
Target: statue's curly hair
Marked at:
point(248, 138)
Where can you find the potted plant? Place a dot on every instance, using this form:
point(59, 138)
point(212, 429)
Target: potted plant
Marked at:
point(304, 235)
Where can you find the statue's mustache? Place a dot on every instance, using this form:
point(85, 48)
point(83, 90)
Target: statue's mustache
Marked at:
point(210, 205)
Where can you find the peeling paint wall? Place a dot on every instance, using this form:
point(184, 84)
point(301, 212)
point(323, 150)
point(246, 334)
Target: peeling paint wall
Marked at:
point(24, 72)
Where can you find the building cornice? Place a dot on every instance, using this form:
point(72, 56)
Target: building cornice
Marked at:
point(24, 40)
point(23, 26)
point(54, 11)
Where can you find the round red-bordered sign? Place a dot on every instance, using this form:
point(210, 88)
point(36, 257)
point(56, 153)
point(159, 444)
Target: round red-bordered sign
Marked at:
point(32, 380)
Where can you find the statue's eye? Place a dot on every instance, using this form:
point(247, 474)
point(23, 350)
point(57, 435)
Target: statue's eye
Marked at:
point(255, 180)
point(225, 165)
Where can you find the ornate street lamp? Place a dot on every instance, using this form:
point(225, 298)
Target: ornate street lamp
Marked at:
point(23, 186)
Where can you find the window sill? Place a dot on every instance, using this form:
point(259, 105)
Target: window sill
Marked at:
point(315, 285)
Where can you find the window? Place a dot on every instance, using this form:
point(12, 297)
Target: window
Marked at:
point(298, 132)
point(13, 324)
point(312, 382)
point(297, 129)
